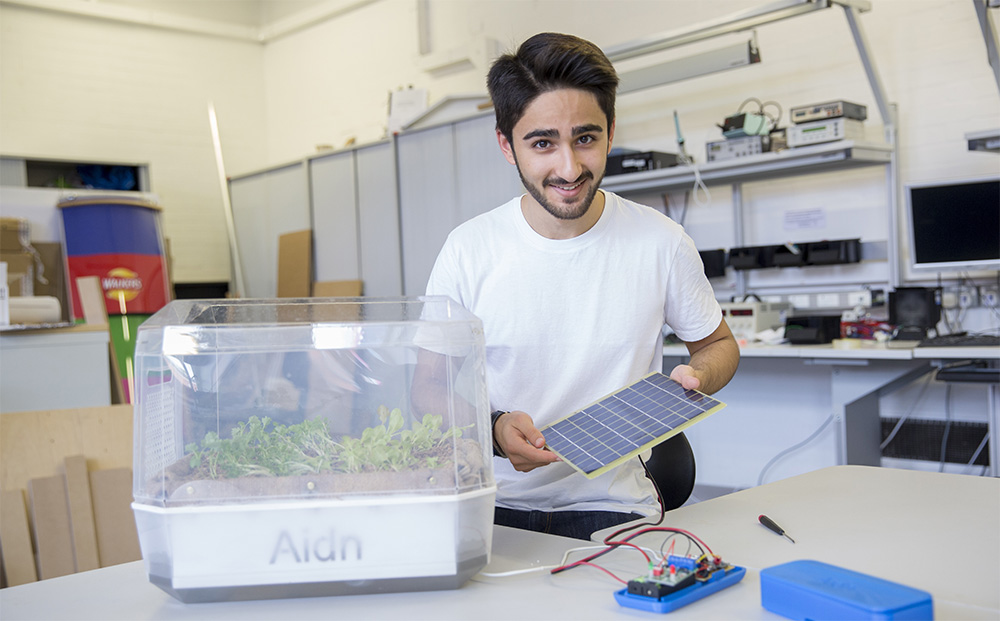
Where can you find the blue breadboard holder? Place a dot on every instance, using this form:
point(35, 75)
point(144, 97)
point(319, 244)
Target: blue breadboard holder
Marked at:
point(668, 603)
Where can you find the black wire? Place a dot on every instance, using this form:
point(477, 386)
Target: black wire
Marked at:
point(689, 542)
point(659, 499)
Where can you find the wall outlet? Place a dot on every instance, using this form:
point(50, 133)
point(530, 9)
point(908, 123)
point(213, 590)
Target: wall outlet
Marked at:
point(968, 297)
point(989, 296)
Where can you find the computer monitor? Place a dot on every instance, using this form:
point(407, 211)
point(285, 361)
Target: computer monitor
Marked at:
point(954, 225)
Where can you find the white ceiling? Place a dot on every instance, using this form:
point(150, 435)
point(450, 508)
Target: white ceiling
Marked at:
point(249, 13)
point(249, 20)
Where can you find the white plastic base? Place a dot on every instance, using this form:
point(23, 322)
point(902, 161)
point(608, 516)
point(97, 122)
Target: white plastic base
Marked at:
point(316, 547)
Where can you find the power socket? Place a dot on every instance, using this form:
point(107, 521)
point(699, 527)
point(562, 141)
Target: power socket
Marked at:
point(989, 296)
point(968, 297)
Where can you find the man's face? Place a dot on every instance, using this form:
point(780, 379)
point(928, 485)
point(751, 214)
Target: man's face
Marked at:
point(560, 147)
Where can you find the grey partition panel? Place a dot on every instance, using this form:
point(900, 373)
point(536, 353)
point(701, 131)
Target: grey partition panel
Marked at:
point(428, 196)
point(447, 175)
point(485, 178)
point(265, 206)
point(335, 217)
point(378, 220)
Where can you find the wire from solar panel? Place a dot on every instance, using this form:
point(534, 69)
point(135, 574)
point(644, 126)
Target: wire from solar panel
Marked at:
point(615, 544)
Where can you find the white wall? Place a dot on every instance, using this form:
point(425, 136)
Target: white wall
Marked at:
point(76, 87)
point(84, 89)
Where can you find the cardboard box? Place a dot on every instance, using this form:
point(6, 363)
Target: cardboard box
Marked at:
point(20, 272)
point(15, 234)
point(337, 289)
point(54, 272)
point(295, 264)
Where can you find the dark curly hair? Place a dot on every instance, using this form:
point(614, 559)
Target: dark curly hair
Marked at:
point(546, 62)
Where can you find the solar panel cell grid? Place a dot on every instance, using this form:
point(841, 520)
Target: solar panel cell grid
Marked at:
point(621, 425)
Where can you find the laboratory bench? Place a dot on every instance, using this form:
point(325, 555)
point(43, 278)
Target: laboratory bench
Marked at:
point(778, 387)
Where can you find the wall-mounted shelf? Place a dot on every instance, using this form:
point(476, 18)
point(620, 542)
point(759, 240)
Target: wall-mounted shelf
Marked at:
point(34, 172)
point(840, 155)
point(986, 140)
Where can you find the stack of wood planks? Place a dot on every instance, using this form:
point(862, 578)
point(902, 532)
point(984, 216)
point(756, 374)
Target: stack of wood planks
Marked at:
point(66, 483)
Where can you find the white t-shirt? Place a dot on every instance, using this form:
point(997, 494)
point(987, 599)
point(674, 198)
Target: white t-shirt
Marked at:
point(569, 321)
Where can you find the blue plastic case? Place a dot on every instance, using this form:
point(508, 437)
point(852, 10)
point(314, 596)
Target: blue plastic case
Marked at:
point(815, 591)
point(718, 581)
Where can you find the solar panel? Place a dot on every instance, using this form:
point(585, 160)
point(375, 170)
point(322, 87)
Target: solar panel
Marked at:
point(623, 424)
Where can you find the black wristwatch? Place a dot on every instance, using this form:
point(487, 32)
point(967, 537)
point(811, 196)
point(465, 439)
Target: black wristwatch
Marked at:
point(494, 417)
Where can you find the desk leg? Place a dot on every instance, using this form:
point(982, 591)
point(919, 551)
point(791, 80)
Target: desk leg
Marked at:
point(856, 390)
point(993, 427)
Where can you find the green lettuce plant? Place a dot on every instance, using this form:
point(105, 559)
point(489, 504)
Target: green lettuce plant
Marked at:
point(261, 448)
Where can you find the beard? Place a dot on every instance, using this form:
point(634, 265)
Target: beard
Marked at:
point(565, 210)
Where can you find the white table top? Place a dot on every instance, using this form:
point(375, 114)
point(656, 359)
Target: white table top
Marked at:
point(864, 351)
point(937, 532)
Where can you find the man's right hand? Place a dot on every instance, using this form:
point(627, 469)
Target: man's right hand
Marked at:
point(517, 435)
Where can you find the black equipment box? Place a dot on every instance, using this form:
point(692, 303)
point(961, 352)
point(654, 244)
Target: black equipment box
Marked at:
point(812, 329)
point(635, 162)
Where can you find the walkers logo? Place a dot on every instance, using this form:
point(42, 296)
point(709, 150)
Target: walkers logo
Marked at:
point(121, 284)
point(132, 283)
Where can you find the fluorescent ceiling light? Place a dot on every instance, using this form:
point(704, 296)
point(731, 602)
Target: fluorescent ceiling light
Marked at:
point(738, 55)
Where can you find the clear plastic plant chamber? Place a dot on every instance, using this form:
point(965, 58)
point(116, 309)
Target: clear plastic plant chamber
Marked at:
point(307, 447)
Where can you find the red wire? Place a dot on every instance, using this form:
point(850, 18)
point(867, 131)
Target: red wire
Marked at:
point(596, 566)
point(613, 544)
point(632, 545)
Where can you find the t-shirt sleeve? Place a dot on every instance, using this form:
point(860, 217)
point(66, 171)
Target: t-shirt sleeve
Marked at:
point(691, 309)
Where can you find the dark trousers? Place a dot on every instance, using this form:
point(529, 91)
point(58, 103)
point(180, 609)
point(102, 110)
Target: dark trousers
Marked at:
point(576, 524)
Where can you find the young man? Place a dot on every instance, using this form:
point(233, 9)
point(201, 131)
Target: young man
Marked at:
point(573, 285)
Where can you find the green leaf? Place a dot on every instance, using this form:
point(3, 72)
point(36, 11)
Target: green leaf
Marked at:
point(396, 421)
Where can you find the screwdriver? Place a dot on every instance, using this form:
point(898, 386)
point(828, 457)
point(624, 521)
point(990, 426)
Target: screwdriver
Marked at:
point(772, 525)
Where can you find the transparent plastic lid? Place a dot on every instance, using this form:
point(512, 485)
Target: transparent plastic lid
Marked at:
point(261, 400)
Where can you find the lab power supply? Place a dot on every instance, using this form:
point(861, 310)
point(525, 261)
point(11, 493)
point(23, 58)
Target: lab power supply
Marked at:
point(745, 319)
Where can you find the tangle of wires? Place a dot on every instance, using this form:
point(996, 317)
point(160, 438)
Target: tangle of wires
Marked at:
point(706, 560)
point(761, 110)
